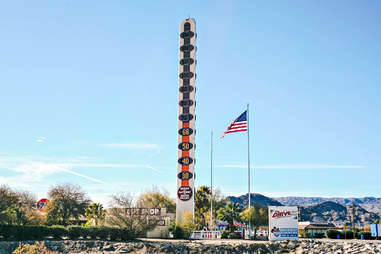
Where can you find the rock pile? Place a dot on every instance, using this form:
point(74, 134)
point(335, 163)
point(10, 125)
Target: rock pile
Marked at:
point(216, 246)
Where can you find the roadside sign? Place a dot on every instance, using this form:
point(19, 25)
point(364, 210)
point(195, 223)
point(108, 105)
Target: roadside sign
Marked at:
point(41, 204)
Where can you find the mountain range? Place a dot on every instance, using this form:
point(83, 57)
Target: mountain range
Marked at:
point(322, 210)
point(370, 204)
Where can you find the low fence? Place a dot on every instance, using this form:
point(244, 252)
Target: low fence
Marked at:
point(205, 235)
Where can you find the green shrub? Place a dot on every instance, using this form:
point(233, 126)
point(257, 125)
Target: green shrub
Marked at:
point(224, 234)
point(92, 232)
point(12, 232)
point(102, 233)
point(58, 232)
point(74, 232)
point(234, 235)
point(34, 232)
point(20, 233)
point(3, 232)
point(367, 235)
point(332, 233)
point(125, 234)
point(319, 235)
point(85, 232)
point(114, 234)
point(177, 231)
point(348, 234)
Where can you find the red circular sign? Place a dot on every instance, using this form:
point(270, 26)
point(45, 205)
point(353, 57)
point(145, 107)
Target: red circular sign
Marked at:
point(41, 204)
point(184, 193)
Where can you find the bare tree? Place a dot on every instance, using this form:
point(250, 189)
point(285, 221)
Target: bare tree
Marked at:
point(120, 215)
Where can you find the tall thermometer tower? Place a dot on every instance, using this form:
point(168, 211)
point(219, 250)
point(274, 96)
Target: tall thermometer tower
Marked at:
point(186, 120)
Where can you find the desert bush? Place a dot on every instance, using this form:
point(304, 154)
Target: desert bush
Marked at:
point(332, 233)
point(37, 248)
point(58, 232)
point(367, 235)
point(319, 235)
point(348, 235)
point(177, 231)
point(224, 234)
point(234, 235)
point(20, 233)
point(114, 234)
point(102, 232)
point(74, 232)
point(125, 234)
point(92, 232)
point(17, 232)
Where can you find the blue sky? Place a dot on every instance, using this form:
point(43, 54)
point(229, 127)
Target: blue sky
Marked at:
point(89, 95)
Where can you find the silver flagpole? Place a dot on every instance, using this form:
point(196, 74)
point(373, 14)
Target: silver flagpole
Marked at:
point(248, 153)
point(248, 161)
point(211, 180)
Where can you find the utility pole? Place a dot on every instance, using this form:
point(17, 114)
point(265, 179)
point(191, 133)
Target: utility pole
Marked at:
point(353, 218)
point(211, 180)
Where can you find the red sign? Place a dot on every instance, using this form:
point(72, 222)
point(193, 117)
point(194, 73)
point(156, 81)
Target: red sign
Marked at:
point(144, 211)
point(41, 204)
point(278, 214)
point(184, 193)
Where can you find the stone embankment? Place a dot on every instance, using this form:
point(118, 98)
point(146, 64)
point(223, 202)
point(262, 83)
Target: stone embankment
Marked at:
point(204, 246)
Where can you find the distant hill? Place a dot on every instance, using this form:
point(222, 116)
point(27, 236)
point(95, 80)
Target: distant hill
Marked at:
point(337, 214)
point(255, 198)
point(320, 211)
point(370, 204)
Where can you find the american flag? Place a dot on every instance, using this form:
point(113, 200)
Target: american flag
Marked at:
point(239, 124)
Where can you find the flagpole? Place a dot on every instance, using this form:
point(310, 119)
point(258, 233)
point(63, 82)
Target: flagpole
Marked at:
point(211, 180)
point(248, 154)
point(248, 162)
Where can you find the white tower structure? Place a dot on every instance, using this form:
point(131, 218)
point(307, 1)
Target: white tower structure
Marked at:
point(186, 119)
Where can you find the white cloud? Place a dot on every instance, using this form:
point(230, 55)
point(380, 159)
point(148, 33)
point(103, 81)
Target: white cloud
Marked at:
point(137, 146)
point(41, 139)
point(109, 165)
point(36, 169)
point(293, 166)
point(83, 176)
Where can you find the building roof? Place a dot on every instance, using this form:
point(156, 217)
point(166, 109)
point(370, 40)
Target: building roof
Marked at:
point(311, 225)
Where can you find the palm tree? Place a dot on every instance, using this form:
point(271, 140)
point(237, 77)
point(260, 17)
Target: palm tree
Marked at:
point(95, 212)
point(202, 204)
point(230, 213)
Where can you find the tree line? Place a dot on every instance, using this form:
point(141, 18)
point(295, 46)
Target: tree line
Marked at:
point(69, 205)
